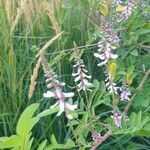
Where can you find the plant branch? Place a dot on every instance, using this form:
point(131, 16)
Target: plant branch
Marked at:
point(138, 88)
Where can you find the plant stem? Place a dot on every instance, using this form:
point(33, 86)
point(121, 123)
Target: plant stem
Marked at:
point(138, 88)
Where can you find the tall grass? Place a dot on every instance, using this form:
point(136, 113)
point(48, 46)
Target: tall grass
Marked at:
point(25, 27)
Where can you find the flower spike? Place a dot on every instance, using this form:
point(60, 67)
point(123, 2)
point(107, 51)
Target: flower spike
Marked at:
point(57, 93)
point(80, 76)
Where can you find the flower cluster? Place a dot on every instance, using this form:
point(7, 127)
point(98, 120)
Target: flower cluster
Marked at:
point(107, 54)
point(111, 86)
point(56, 92)
point(107, 45)
point(124, 11)
point(129, 9)
point(81, 77)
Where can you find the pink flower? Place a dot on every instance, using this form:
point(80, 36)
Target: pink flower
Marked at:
point(125, 95)
point(117, 119)
point(97, 137)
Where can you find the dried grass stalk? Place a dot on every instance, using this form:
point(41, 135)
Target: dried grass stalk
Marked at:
point(42, 50)
point(36, 69)
point(27, 11)
point(9, 10)
point(50, 9)
point(18, 15)
point(33, 79)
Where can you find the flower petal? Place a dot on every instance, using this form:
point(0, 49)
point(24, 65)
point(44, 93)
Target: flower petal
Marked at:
point(71, 107)
point(61, 107)
point(69, 116)
point(77, 78)
point(49, 94)
point(71, 94)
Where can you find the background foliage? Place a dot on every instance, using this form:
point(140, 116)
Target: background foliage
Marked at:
point(25, 26)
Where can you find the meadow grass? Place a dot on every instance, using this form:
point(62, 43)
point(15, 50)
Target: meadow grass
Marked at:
point(25, 27)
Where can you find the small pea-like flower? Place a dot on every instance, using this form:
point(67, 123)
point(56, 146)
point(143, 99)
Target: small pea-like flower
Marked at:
point(125, 94)
point(97, 137)
point(117, 117)
point(61, 97)
point(129, 8)
point(106, 55)
point(81, 77)
point(108, 44)
point(111, 86)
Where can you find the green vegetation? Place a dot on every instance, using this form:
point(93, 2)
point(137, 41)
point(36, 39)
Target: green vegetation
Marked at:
point(59, 32)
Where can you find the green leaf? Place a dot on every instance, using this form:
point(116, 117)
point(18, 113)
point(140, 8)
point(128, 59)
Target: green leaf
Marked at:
point(42, 145)
point(26, 122)
point(12, 142)
point(132, 120)
point(3, 139)
point(83, 122)
point(53, 140)
point(48, 112)
point(68, 145)
point(142, 31)
point(134, 53)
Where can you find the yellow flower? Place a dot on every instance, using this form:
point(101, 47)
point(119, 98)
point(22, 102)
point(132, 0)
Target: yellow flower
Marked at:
point(120, 8)
point(112, 70)
point(129, 77)
point(104, 8)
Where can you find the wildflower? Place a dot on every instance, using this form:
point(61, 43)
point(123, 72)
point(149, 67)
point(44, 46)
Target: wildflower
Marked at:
point(57, 93)
point(61, 97)
point(125, 10)
point(81, 77)
point(111, 86)
point(97, 137)
point(107, 45)
point(106, 55)
point(125, 94)
point(117, 117)
point(129, 9)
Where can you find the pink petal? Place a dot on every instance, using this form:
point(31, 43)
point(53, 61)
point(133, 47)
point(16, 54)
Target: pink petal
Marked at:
point(58, 93)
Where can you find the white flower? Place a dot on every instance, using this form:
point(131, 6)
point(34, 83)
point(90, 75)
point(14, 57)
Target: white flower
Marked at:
point(129, 8)
point(57, 93)
point(61, 97)
point(106, 55)
point(111, 86)
point(81, 77)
